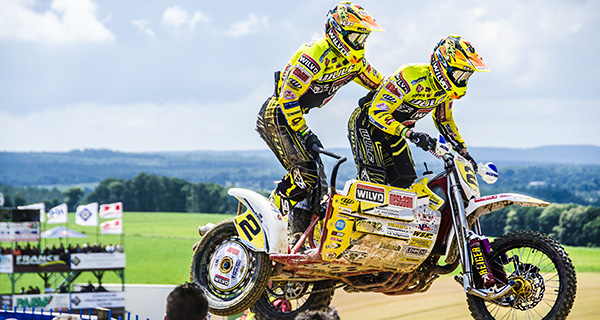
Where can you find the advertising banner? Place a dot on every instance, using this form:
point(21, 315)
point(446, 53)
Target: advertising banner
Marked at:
point(111, 210)
point(20, 231)
point(87, 215)
point(40, 263)
point(84, 300)
point(87, 261)
point(39, 301)
point(6, 263)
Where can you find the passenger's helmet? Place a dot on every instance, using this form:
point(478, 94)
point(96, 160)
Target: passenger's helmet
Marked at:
point(452, 63)
point(347, 27)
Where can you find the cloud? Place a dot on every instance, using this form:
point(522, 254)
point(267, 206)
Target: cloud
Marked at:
point(178, 20)
point(142, 25)
point(251, 25)
point(65, 22)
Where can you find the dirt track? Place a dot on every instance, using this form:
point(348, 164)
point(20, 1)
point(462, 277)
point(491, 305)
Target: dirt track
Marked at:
point(445, 300)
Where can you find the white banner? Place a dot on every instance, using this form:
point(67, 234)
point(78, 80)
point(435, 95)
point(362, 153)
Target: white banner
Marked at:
point(111, 210)
point(20, 231)
point(84, 300)
point(6, 263)
point(39, 206)
point(87, 215)
point(41, 301)
point(112, 227)
point(85, 261)
point(58, 214)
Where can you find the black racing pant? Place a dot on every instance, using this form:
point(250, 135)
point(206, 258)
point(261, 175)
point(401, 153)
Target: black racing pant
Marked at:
point(380, 157)
point(304, 172)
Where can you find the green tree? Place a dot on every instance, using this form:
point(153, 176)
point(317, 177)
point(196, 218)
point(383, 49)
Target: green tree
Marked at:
point(72, 196)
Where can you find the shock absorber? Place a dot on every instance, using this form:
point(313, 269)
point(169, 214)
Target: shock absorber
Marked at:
point(478, 248)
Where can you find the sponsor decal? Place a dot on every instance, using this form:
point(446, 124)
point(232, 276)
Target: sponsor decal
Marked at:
point(345, 210)
point(226, 265)
point(333, 246)
point(366, 138)
point(390, 246)
point(382, 106)
point(309, 63)
point(336, 239)
point(347, 201)
point(336, 74)
point(417, 80)
point(389, 98)
point(424, 235)
point(233, 251)
point(391, 87)
point(421, 243)
point(370, 193)
point(294, 83)
point(337, 43)
point(354, 255)
point(424, 227)
point(402, 199)
point(367, 81)
point(437, 72)
point(337, 233)
point(419, 88)
point(290, 105)
point(236, 269)
point(340, 225)
point(340, 83)
point(368, 226)
point(289, 95)
point(409, 259)
point(416, 251)
point(402, 83)
point(479, 260)
point(302, 74)
point(221, 280)
point(33, 302)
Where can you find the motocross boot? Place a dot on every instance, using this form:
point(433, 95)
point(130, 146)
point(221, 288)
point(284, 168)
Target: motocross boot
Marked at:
point(298, 222)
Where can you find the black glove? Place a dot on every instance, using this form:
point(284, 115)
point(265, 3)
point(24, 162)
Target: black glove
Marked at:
point(422, 140)
point(467, 156)
point(311, 140)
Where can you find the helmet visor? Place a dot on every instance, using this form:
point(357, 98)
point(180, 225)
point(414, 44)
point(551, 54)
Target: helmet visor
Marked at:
point(356, 39)
point(459, 76)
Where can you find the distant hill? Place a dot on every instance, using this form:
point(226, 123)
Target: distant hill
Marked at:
point(254, 169)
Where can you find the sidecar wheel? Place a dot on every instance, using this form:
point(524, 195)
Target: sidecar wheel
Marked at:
point(545, 270)
point(232, 276)
point(284, 300)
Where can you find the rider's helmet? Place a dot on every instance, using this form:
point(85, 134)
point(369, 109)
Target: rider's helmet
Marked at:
point(453, 61)
point(347, 27)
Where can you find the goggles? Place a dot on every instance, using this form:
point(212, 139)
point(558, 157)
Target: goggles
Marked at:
point(459, 76)
point(356, 39)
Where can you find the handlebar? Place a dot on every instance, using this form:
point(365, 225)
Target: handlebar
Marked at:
point(340, 159)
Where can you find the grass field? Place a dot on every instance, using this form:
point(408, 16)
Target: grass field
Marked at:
point(158, 249)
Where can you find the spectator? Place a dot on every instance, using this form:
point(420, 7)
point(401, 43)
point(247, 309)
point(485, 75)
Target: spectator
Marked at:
point(48, 288)
point(314, 315)
point(89, 288)
point(66, 317)
point(186, 302)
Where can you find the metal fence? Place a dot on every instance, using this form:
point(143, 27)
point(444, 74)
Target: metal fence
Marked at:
point(41, 314)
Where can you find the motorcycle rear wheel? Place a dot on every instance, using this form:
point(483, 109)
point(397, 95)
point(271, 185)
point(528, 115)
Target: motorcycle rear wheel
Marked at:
point(285, 300)
point(544, 268)
point(232, 276)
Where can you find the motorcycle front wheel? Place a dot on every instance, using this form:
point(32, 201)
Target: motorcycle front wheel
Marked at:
point(232, 276)
point(545, 272)
point(284, 300)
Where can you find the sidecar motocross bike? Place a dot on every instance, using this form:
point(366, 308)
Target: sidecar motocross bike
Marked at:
point(378, 238)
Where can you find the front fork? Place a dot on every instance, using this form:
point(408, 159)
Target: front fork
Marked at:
point(472, 248)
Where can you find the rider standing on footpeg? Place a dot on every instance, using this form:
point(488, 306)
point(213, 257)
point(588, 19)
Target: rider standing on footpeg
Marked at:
point(310, 79)
point(385, 117)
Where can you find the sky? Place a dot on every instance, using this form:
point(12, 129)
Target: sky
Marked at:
point(142, 76)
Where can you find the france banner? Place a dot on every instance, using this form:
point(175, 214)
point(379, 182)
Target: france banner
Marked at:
point(58, 214)
point(87, 215)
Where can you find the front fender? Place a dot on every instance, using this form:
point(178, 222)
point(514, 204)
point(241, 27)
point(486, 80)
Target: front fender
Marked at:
point(481, 206)
point(272, 228)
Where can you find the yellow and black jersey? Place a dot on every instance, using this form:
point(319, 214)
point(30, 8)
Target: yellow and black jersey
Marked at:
point(312, 77)
point(407, 96)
